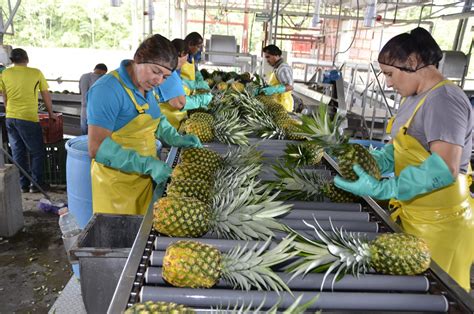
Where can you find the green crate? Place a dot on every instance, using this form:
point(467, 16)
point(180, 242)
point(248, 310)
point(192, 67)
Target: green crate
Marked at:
point(55, 163)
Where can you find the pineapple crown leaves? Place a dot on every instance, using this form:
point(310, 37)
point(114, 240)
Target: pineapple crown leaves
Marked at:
point(322, 129)
point(243, 214)
point(341, 252)
point(229, 129)
point(245, 268)
point(230, 179)
point(243, 155)
point(300, 183)
point(299, 154)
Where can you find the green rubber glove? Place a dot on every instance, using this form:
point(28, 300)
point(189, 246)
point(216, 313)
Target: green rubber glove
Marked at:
point(270, 90)
point(111, 154)
point(189, 84)
point(197, 101)
point(202, 85)
point(384, 158)
point(431, 175)
point(168, 134)
point(199, 76)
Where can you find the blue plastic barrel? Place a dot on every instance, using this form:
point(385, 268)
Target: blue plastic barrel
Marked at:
point(78, 180)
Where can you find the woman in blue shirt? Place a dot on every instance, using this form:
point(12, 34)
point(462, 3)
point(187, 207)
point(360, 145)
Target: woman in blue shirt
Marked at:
point(124, 122)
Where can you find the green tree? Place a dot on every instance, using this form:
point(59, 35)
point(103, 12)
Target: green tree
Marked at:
point(70, 23)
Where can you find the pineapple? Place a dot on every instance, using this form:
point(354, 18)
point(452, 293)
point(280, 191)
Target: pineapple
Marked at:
point(222, 86)
point(202, 156)
point(226, 127)
point(196, 265)
point(308, 185)
point(245, 77)
point(305, 154)
point(236, 212)
point(202, 116)
point(191, 171)
point(190, 188)
point(237, 86)
point(181, 216)
point(210, 82)
point(203, 130)
point(151, 307)
point(343, 252)
point(327, 132)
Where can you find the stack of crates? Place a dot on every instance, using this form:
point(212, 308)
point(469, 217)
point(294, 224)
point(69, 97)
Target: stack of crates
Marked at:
point(55, 150)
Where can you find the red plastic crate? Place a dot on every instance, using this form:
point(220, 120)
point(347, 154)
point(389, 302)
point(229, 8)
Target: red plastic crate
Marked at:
point(52, 130)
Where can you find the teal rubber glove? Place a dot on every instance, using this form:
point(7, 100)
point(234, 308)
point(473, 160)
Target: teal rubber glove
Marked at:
point(197, 101)
point(189, 84)
point(111, 154)
point(168, 134)
point(202, 85)
point(431, 175)
point(198, 76)
point(270, 90)
point(384, 158)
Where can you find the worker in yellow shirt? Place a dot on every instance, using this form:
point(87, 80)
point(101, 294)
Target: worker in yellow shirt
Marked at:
point(20, 85)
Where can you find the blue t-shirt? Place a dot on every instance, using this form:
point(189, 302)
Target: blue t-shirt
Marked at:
point(110, 107)
point(172, 87)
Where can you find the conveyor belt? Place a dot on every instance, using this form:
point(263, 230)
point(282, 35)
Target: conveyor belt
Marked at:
point(433, 291)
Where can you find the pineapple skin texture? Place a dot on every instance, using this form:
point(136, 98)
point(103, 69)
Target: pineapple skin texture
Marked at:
point(192, 264)
point(399, 254)
point(202, 156)
point(190, 188)
point(151, 307)
point(336, 195)
point(190, 171)
point(202, 116)
point(356, 154)
point(181, 217)
point(203, 130)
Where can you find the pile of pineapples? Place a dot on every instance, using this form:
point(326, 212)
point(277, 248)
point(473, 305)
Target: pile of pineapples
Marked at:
point(210, 193)
point(222, 81)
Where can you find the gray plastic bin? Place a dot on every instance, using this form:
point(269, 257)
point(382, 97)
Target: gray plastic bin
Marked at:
point(102, 250)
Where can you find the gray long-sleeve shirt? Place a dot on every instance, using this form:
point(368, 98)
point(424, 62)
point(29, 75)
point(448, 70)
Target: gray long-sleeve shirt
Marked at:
point(85, 83)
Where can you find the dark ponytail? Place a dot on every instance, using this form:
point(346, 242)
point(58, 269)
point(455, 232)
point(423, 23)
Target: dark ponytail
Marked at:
point(418, 42)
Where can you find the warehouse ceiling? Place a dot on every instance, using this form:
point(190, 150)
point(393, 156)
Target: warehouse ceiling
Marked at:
point(297, 7)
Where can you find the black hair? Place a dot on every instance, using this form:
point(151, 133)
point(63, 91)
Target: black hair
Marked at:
point(19, 55)
point(193, 39)
point(418, 42)
point(157, 49)
point(180, 46)
point(272, 49)
point(101, 66)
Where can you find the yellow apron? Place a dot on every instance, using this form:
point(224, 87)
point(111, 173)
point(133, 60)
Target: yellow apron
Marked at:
point(285, 99)
point(188, 71)
point(443, 218)
point(116, 192)
point(174, 116)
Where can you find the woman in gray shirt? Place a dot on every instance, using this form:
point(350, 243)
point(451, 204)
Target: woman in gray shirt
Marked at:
point(430, 154)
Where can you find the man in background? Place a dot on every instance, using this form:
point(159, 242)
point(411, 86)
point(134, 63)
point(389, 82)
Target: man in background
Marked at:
point(281, 79)
point(85, 83)
point(20, 85)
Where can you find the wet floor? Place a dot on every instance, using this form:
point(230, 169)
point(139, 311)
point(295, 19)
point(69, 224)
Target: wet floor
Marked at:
point(33, 264)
